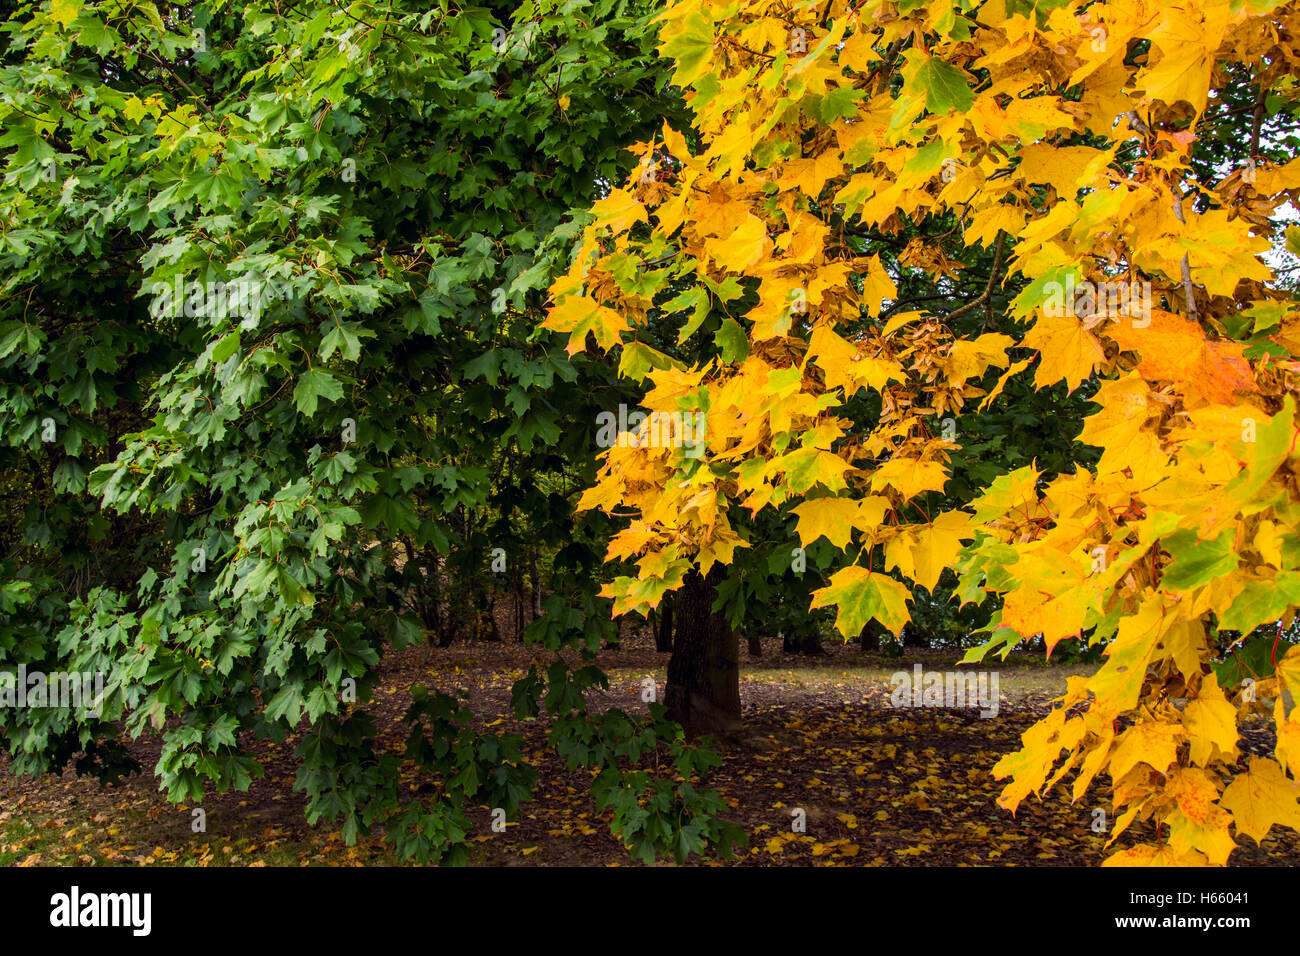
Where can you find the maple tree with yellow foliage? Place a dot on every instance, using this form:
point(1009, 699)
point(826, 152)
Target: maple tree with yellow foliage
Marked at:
point(1061, 136)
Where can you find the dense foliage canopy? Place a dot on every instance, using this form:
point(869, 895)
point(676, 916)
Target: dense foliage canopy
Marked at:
point(310, 316)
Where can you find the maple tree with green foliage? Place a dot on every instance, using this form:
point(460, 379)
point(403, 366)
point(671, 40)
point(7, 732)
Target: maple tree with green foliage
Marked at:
point(233, 505)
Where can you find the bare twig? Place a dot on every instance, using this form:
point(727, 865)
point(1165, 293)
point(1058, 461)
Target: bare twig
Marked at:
point(987, 295)
point(1189, 290)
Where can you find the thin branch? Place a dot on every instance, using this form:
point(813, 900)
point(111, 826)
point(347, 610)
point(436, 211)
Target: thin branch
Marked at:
point(987, 295)
point(1189, 290)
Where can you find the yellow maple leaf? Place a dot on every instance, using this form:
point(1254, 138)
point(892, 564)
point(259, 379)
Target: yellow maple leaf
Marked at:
point(579, 315)
point(845, 365)
point(937, 546)
point(1261, 797)
point(1211, 721)
point(743, 247)
point(909, 477)
point(1067, 351)
point(835, 518)
point(1287, 750)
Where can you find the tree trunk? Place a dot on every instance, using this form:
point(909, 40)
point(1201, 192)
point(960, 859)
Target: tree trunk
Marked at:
point(703, 693)
point(801, 641)
point(664, 626)
point(755, 643)
point(869, 639)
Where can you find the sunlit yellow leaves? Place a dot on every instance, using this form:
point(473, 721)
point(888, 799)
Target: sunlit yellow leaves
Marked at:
point(687, 37)
point(743, 247)
point(580, 315)
point(835, 518)
point(1198, 823)
point(719, 547)
point(1287, 750)
point(877, 285)
point(971, 358)
point(909, 477)
point(1118, 684)
point(1065, 168)
point(1013, 370)
point(1222, 251)
point(1032, 612)
point(809, 467)
point(923, 554)
point(619, 210)
point(1211, 723)
point(1145, 854)
point(1040, 748)
point(631, 541)
point(1189, 517)
point(1288, 669)
point(1068, 352)
point(1176, 349)
point(1262, 797)
point(811, 174)
point(857, 53)
point(1183, 46)
point(1150, 742)
point(1120, 430)
point(1008, 492)
point(987, 223)
point(847, 365)
point(1034, 117)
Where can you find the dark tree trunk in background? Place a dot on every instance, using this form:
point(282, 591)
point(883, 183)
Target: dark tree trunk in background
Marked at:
point(869, 639)
point(755, 643)
point(802, 642)
point(915, 637)
point(663, 626)
point(703, 693)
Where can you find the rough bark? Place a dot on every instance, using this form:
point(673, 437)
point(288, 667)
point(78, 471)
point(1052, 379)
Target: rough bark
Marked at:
point(703, 692)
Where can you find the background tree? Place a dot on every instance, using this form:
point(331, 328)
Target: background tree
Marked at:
point(271, 281)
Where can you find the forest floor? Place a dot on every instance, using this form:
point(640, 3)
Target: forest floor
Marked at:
point(879, 786)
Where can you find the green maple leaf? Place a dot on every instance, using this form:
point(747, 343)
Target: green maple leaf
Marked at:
point(862, 595)
point(313, 385)
point(944, 85)
point(1198, 562)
